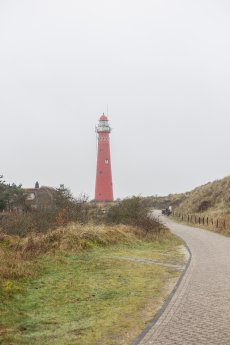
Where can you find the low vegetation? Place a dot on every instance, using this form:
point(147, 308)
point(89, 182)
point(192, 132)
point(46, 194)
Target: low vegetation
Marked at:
point(207, 206)
point(162, 202)
point(67, 274)
point(212, 198)
point(72, 285)
point(10, 194)
point(21, 241)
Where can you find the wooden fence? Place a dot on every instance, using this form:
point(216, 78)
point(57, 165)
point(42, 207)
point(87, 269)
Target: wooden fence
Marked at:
point(205, 221)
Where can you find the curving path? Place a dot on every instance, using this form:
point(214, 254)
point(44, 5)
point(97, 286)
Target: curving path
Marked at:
point(199, 311)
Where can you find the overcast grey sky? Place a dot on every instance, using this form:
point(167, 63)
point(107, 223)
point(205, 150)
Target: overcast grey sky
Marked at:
point(163, 66)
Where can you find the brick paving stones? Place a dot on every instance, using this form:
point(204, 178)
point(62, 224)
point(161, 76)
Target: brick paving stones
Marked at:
point(199, 312)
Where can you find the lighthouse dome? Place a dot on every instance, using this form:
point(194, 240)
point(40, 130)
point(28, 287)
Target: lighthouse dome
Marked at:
point(103, 118)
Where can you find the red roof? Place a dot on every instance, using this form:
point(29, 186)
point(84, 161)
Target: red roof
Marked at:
point(103, 118)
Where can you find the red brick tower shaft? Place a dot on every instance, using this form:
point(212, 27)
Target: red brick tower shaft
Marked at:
point(104, 185)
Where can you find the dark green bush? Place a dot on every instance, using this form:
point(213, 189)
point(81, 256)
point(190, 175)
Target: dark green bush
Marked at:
point(131, 211)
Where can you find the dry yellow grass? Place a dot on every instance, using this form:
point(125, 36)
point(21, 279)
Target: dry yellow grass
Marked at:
point(16, 253)
point(75, 236)
point(211, 199)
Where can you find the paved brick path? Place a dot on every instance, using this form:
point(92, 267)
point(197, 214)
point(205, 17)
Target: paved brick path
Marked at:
point(199, 312)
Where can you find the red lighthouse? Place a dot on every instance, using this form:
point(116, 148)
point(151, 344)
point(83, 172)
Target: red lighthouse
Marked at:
point(104, 185)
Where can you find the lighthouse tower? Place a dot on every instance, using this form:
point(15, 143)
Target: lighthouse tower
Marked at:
point(104, 185)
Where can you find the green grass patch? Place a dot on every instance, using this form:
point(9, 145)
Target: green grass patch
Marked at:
point(89, 297)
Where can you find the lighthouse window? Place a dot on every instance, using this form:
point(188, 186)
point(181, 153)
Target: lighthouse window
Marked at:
point(106, 161)
point(103, 124)
point(101, 172)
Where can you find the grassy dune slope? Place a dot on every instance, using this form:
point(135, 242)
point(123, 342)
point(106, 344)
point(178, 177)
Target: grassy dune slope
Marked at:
point(212, 198)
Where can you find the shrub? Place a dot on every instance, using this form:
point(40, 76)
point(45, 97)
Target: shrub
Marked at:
point(68, 210)
point(42, 220)
point(131, 211)
point(18, 224)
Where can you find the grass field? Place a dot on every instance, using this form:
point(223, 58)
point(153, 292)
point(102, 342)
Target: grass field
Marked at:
point(87, 297)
